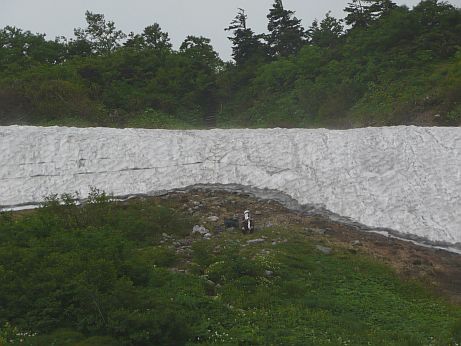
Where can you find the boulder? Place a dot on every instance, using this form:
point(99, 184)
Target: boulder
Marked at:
point(199, 230)
point(324, 249)
point(268, 273)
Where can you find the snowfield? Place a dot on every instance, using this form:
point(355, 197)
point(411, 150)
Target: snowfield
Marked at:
point(404, 178)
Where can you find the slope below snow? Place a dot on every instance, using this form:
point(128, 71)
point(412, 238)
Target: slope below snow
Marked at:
point(404, 178)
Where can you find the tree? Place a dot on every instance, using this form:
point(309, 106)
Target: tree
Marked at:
point(361, 13)
point(439, 24)
point(327, 33)
point(101, 36)
point(245, 44)
point(432, 13)
point(203, 65)
point(286, 35)
point(357, 17)
point(380, 8)
point(25, 48)
point(199, 49)
point(151, 38)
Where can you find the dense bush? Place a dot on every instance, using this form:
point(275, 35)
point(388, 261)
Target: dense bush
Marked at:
point(78, 266)
point(393, 66)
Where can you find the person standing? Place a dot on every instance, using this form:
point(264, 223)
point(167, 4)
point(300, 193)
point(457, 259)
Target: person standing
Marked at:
point(247, 222)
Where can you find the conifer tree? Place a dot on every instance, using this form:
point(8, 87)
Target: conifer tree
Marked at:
point(326, 33)
point(245, 44)
point(380, 8)
point(358, 16)
point(286, 35)
point(361, 13)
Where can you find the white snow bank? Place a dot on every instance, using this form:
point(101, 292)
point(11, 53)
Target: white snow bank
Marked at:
point(404, 178)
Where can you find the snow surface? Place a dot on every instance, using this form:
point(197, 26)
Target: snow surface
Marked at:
point(404, 178)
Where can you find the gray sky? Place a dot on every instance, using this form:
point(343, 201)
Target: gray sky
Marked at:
point(178, 17)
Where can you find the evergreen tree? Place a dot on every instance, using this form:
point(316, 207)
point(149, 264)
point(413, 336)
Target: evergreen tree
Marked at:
point(286, 35)
point(361, 13)
point(245, 44)
point(380, 8)
point(326, 33)
point(358, 16)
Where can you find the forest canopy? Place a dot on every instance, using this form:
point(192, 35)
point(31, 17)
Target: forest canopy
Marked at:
point(383, 64)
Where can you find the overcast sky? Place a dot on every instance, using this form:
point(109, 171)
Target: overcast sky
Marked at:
point(178, 17)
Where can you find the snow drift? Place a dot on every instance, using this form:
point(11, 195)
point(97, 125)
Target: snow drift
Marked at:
point(404, 178)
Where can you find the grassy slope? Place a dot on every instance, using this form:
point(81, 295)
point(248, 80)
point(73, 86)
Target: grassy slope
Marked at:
point(75, 274)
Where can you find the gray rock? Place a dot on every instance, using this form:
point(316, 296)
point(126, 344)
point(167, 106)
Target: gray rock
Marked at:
point(207, 235)
point(256, 241)
point(356, 243)
point(257, 212)
point(213, 218)
point(268, 273)
point(200, 230)
point(324, 249)
point(210, 283)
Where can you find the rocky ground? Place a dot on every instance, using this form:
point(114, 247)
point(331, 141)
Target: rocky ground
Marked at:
point(439, 269)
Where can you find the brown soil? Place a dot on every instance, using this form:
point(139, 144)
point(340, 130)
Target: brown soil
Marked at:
point(438, 269)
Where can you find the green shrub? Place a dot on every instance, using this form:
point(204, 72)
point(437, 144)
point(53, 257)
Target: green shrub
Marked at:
point(454, 116)
point(153, 119)
point(456, 331)
point(99, 341)
point(203, 253)
point(149, 327)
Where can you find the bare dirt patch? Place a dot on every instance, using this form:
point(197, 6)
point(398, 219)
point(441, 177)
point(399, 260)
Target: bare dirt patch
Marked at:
point(438, 269)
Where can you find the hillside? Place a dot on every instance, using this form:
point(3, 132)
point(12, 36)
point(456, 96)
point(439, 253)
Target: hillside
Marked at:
point(382, 65)
point(133, 273)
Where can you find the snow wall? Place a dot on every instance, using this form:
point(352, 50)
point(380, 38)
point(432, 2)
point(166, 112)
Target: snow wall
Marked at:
point(403, 178)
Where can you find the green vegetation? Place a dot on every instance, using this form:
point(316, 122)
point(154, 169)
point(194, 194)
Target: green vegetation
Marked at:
point(104, 273)
point(390, 65)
